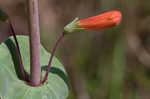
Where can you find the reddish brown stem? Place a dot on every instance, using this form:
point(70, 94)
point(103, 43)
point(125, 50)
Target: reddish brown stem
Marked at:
point(18, 51)
point(51, 57)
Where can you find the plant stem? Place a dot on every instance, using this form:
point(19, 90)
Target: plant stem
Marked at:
point(51, 57)
point(35, 68)
point(18, 51)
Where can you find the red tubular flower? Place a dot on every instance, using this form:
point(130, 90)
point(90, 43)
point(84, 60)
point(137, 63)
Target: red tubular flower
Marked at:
point(99, 22)
point(102, 21)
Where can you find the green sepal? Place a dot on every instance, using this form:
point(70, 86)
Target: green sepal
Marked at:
point(73, 27)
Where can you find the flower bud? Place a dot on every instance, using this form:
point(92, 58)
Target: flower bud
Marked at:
point(99, 22)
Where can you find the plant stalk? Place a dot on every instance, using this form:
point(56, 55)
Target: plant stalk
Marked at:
point(34, 34)
point(18, 51)
point(51, 57)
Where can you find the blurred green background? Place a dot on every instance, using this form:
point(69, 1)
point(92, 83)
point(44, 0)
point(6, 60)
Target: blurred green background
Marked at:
point(108, 64)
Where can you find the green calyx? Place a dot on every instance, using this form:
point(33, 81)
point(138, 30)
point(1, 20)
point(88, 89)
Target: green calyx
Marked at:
point(73, 27)
point(3, 16)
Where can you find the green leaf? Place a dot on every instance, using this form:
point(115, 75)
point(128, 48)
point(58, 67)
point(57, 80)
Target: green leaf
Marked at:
point(11, 84)
point(3, 16)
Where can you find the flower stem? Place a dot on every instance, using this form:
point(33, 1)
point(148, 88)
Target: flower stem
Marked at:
point(35, 68)
point(51, 57)
point(18, 51)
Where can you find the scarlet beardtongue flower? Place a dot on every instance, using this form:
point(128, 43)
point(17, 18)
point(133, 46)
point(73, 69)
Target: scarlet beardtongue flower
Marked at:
point(102, 21)
point(99, 22)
